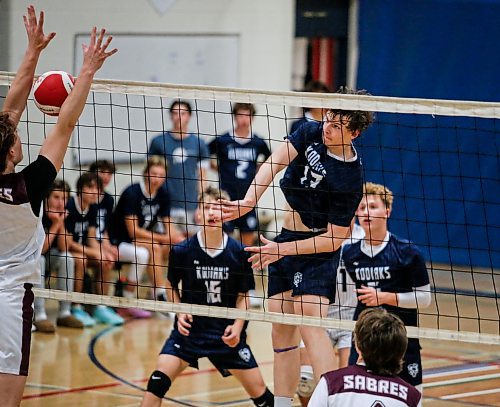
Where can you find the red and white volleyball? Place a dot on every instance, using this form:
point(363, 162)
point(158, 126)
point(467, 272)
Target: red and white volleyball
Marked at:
point(51, 90)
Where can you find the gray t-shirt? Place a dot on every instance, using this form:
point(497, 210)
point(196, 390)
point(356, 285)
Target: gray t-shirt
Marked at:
point(185, 158)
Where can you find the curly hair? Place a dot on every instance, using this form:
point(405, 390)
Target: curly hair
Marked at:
point(7, 138)
point(359, 120)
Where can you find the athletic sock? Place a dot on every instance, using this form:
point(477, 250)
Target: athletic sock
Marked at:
point(282, 401)
point(64, 309)
point(266, 400)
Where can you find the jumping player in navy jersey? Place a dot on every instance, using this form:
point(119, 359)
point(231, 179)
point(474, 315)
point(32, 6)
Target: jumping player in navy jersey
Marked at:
point(323, 186)
point(238, 155)
point(143, 232)
point(389, 272)
point(372, 381)
point(214, 271)
point(21, 196)
point(343, 309)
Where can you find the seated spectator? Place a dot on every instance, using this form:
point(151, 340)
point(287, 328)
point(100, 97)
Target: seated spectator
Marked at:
point(81, 224)
point(143, 232)
point(55, 260)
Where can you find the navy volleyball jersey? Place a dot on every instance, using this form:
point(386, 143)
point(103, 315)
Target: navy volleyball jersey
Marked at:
point(79, 222)
point(398, 268)
point(238, 162)
point(321, 188)
point(104, 214)
point(148, 209)
point(214, 281)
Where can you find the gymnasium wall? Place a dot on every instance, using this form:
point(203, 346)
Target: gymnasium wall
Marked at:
point(265, 31)
point(443, 172)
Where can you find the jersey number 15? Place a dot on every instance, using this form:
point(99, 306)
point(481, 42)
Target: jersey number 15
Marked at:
point(213, 292)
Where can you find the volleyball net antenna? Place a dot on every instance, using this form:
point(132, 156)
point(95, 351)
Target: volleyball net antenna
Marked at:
point(439, 157)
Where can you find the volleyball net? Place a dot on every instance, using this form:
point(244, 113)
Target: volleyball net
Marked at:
point(439, 157)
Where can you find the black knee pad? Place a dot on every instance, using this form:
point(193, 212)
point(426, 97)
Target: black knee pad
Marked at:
point(159, 383)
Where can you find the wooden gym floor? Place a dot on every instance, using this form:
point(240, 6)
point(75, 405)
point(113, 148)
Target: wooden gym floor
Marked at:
point(109, 366)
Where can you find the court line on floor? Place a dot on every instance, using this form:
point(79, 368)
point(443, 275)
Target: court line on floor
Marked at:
point(130, 384)
point(471, 394)
point(70, 390)
point(104, 369)
point(455, 402)
point(461, 370)
point(455, 358)
point(64, 390)
point(452, 382)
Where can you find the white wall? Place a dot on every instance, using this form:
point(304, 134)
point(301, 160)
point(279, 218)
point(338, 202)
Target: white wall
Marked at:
point(265, 29)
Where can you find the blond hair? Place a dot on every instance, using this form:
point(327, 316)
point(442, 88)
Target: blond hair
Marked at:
point(380, 190)
point(153, 161)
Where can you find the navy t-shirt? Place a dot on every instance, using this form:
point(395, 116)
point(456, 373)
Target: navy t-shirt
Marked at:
point(148, 209)
point(237, 162)
point(398, 268)
point(78, 223)
point(214, 281)
point(321, 188)
point(185, 158)
point(104, 214)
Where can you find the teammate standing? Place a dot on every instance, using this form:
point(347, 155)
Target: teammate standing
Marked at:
point(21, 196)
point(238, 154)
point(323, 186)
point(214, 271)
point(389, 272)
point(187, 157)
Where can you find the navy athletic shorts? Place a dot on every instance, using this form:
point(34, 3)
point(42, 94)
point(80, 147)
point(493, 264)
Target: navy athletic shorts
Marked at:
point(223, 357)
point(308, 274)
point(412, 362)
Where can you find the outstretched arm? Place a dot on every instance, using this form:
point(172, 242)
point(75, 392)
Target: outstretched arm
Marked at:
point(15, 102)
point(330, 241)
point(278, 160)
point(55, 146)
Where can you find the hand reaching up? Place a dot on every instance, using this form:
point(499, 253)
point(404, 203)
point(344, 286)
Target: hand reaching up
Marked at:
point(37, 40)
point(95, 53)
